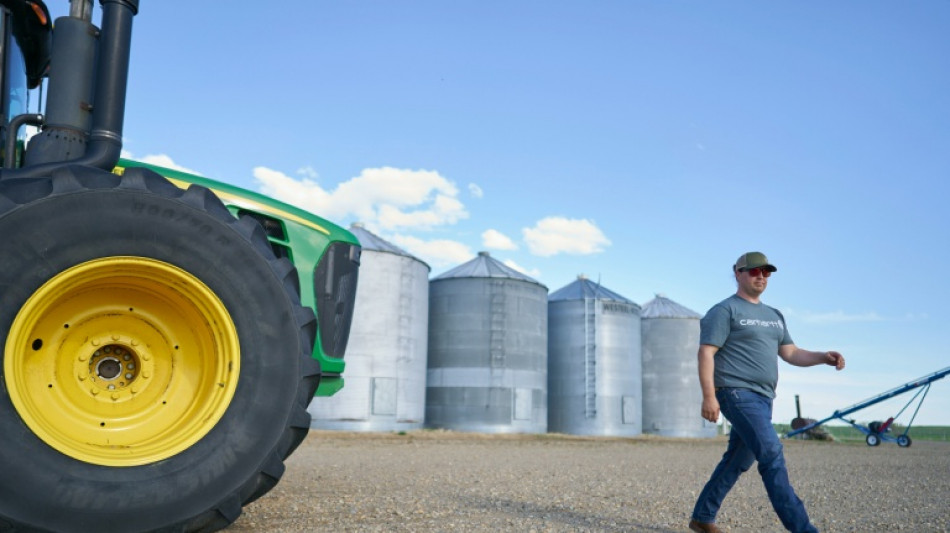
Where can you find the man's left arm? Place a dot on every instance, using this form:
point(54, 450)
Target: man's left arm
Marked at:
point(796, 356)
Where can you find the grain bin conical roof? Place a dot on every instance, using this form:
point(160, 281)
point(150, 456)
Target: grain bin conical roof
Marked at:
point(583, 288)
point(486, 266)
point(371, 241)
point(663, 307)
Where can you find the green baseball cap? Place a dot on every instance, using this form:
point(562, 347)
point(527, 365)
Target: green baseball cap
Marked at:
point(752, 260)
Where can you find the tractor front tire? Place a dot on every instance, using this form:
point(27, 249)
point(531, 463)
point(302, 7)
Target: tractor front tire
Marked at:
point(156, 364)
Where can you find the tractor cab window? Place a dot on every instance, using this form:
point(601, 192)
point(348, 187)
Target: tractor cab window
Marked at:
point(14, 78)
point(13, 91)
point(13, 83)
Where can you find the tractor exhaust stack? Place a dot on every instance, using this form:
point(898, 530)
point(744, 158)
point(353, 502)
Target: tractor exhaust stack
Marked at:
point(78, 131)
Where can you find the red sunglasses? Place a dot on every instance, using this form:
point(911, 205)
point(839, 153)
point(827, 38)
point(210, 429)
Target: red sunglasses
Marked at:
point(754, 272)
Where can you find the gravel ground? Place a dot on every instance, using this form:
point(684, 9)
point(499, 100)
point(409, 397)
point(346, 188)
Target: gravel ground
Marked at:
point(447, 481)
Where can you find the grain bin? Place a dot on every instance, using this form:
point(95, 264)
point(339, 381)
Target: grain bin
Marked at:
point(488, 327)
point(594, 384)
point(386, 355)
point(672, 398)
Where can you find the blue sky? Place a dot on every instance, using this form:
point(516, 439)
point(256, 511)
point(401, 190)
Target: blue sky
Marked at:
point(644, 144)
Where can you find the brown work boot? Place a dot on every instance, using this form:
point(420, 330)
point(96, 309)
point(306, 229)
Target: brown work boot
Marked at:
point(704, 527)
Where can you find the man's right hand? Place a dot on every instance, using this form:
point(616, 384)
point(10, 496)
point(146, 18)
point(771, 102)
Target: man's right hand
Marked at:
point(711, 409)
point(707, 364)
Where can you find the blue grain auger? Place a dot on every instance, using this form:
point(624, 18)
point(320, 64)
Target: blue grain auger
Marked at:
point(875, 432)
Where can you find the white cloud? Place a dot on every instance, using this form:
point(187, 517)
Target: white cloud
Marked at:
point(495, 240)
point(304, 193)
point(436, 252)
point(387, 197)
point(160, 160)
point(534, 273)
point(554, 235)
point(308, 172)
point(163, 160)
point(475, 190)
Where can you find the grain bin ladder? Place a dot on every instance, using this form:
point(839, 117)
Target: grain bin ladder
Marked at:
point(875, 432)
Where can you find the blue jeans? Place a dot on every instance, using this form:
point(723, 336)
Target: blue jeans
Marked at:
point(752, 439)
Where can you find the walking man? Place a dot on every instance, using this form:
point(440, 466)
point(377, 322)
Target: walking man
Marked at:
point(740, 341)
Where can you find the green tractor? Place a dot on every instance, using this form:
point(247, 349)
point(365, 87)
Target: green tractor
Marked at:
point(162, 334)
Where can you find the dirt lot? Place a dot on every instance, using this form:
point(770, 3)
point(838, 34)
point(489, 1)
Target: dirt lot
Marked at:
point(444, 481)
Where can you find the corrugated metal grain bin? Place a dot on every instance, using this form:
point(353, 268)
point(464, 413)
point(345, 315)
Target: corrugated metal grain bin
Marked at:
point(594, 368)
point(487, 350)
point(672, 398)
point(386, 356)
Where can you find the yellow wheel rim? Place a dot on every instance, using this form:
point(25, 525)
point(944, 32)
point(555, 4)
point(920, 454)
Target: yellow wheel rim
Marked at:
point(122, 361)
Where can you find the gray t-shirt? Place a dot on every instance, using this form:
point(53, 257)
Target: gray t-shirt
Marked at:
point(748, 336)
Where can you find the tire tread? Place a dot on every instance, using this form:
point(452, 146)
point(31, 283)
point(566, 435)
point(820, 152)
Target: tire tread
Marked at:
point(75, 179)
